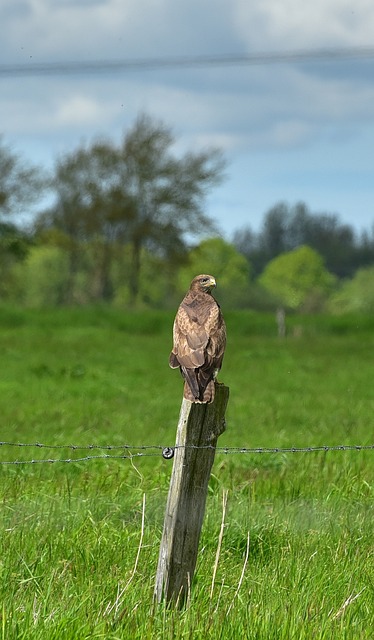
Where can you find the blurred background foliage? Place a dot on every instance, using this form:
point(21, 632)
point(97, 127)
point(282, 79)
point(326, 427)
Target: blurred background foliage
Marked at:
point(126, 225)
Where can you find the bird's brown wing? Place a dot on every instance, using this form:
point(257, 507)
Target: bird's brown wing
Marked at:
point(215, 350)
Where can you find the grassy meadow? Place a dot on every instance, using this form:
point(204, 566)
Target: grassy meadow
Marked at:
point(80, 540)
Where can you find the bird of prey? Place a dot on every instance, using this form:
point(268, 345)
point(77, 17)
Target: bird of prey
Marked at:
point(199, 340)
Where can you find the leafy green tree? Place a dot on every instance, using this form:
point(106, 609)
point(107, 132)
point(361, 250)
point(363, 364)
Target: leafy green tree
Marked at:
point(288, 227)
point(297, 277)
point(168, 193)
point(41, 277)
point(355, 295)
point(86, 212)
point(13, 242)
point(334, 241)
point(139, 194)
point(14, 245)
point(274, 231)
point(20, 183)
point(156, 283)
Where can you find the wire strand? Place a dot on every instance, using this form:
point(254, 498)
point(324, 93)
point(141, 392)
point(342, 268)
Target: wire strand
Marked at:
point(138, 451)
point(215, 60)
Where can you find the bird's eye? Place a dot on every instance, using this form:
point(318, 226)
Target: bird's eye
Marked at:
point(204, 279)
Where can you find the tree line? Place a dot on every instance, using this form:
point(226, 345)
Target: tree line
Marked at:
point(126, 225)
point(286, 227)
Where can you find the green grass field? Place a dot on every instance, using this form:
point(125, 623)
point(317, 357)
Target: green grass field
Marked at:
point(76, 561)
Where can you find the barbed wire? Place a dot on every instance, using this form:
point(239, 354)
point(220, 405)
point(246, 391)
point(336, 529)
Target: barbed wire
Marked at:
point(166, 452)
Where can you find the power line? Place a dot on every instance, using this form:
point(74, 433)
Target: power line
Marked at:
point(148, 64)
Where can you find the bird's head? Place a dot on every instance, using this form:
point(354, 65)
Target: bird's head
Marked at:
point(203, 282)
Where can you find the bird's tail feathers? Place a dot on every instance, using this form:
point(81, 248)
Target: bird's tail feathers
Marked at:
point(203, 396)
point(191, 382)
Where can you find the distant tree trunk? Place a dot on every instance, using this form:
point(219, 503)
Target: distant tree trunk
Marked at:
point(102, 287)
point(134, 285)
point(74, 258)
point(281, 322)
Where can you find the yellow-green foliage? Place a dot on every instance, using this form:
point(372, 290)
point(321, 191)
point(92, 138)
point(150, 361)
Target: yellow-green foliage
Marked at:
point(43, 276)
point(295, 276)
point(356, 295)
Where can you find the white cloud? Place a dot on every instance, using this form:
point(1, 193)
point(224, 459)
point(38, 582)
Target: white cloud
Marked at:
point(289, 24)
point(49, 30)
point(78, 110)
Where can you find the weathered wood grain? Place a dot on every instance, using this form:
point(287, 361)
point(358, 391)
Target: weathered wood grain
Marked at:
point(199, 426)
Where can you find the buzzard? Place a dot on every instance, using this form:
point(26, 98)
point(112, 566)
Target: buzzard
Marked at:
point(199, 340)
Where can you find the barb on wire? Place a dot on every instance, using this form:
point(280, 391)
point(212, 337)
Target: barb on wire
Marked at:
point(140, 451)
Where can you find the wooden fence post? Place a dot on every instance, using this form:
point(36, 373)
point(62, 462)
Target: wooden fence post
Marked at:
point(199, 426)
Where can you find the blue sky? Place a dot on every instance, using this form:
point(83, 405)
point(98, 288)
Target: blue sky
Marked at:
point(290, 131)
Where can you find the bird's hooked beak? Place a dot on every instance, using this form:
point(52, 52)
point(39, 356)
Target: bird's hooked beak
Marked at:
point(212, 282)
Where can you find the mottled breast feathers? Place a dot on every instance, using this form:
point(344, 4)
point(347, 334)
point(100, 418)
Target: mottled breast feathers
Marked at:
point(199, 340)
